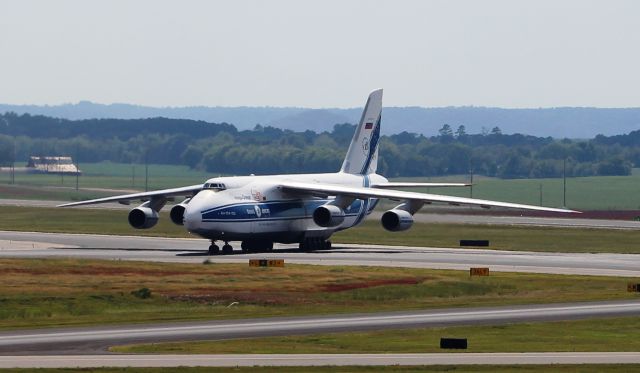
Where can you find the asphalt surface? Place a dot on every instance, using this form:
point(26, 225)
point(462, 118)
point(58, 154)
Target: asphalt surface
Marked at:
point(421, 217)
point(91, 340)
point(28, 244)
point(87, 361)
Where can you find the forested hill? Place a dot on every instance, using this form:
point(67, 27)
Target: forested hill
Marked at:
point(560, 122)
point(221, 148)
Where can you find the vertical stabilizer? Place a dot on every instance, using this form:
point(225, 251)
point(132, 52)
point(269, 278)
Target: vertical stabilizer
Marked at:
point(362, 156)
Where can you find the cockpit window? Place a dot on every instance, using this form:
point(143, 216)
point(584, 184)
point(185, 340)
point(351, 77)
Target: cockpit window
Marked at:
point(215, 186)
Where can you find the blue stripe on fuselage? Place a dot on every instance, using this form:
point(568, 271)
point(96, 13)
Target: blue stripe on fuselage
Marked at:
point(274, 210)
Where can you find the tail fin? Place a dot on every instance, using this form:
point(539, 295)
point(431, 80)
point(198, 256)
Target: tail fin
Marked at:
point(362, 156)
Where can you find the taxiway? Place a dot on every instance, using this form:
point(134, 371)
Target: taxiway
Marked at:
point(97, 339)
point(251, 360)
point(31, 244)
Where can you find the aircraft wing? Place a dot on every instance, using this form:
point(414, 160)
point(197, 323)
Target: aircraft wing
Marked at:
point(188, 191)
point(362, 193)
point(417, 185)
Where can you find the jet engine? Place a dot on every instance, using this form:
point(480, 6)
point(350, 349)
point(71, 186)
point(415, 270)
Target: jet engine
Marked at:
point(143, 217)
point(177, 212)
point(397, 220)
point(328, 216)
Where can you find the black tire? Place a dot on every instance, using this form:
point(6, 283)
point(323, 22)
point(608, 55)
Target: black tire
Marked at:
point(227, 249)
point(327, 245)
point(214, 249)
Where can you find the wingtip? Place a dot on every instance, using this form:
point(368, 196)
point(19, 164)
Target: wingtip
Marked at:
point(570, 211)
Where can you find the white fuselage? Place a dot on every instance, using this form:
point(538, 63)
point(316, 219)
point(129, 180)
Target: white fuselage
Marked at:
point(254, 207)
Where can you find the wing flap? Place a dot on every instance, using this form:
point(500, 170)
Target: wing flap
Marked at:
point(362, 193)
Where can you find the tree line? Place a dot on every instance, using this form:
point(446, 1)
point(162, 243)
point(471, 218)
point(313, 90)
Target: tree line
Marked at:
point(221, 148)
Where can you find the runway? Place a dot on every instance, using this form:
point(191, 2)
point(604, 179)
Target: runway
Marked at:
point(28, 244)
point(246, 360)
point(90, 340)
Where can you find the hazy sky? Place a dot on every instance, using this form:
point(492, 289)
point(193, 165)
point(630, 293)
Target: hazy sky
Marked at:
point(321, 53)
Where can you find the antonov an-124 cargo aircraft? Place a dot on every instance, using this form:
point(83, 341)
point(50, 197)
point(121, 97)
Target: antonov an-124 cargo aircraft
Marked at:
point(302, 208)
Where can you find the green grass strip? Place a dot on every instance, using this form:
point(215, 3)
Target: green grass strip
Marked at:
point(597, 335)
point(608, 368)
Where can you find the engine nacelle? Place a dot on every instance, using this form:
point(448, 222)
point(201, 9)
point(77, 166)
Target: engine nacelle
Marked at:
point(397, 220)
point(177, 212)
point(143, 217)
point(328, 216)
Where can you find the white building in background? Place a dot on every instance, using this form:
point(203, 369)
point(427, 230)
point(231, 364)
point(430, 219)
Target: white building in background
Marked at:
point(52, 165)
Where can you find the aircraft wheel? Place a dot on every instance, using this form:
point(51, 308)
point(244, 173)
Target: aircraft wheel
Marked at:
point(227, 249)
point(327, 245)
point(214, 249)
point(312, 244)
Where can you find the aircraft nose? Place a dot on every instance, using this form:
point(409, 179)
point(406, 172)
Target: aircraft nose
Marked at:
point(195, 207)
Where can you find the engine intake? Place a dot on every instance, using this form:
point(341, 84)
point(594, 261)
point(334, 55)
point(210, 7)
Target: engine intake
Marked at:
point(397, 220)
point(177, 212)
point(328, 216)
point(143, 217)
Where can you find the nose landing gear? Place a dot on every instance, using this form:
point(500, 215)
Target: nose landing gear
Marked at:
point(215, 250)
point(227, 249)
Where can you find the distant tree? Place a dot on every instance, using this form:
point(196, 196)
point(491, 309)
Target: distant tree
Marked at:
point(405, 138)
point(445, 131)
point(445, 134)
point(192, 156)
point(496, 131)
point(615, 166)
point(6, 150)
point(342, 133)
point(461, 132)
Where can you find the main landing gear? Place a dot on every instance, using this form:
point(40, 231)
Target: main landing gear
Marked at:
point(215, 250)
point(314, 243)
point(256, 246)
point(247, 247)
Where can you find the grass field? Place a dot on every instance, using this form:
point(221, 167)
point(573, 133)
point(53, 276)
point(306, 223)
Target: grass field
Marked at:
point(64, 292)
point(599, 335)
point(104, 221)
point(585, 193)
point(115, 176)
point(610, 368)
